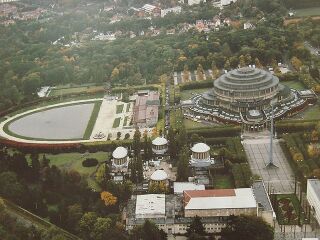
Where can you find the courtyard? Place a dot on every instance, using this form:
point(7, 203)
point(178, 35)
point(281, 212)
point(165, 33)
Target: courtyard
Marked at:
point(279, 179)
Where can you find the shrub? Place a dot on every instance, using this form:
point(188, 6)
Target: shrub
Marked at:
point(90, 162)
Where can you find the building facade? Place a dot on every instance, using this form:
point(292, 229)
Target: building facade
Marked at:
point(313, 196)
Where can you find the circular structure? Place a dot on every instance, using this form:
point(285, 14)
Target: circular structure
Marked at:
point(159, 175)
point(245, 88)
point(120, 158)
point(200, 156)
point(160, 145)
point(244, 96)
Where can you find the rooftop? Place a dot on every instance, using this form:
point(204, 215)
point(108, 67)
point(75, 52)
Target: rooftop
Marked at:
point(200, 147)
point(150, 206)
point(180, 187)
point(159, 141)
point(159, 175)
point(120, 152)
point(219, 199)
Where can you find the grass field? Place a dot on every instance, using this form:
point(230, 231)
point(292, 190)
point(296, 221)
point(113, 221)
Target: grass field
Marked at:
point(119, 108)
point(92, 120)
point(191, 124)
point(187, 94)
point(116, 122)
point(222, 181)
point(305, 12)
point(72, 90)
point(294, 84)
point(312, 112)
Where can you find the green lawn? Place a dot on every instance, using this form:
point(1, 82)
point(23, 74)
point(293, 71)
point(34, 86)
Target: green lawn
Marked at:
point(92, 120)
point(305, 12)
point(192, 124)
point(222, 181)
point(119, 108)
point(116, 122)
point(187, 94)
point(72, 90)
point(73, 161)
point(294, 84)
point(312, 112)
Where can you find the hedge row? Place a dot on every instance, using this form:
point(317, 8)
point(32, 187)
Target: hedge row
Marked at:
point(196, 84)
point(295, 126)
point(106, 146)
point(228, 131)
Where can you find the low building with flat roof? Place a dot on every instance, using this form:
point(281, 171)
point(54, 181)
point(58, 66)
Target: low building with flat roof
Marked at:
point(150, 206)
point(180, 187)
point(219, 202)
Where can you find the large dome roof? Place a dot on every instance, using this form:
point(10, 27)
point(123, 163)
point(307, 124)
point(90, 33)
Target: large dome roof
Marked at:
point(246, 79)
point(159, 141)
point(159, 175)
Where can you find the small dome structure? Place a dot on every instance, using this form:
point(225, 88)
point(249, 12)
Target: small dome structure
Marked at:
point(200, 148)
point(160, 145)
point(120, 152)
point(159, 175)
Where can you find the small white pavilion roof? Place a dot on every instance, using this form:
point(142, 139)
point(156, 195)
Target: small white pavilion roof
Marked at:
point(159, 175)
point(200, 148)
point(159, 141)
point(120, 152)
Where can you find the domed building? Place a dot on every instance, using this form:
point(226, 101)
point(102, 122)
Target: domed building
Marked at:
point(120, 159)
point(244, 96)
point(200, 156)
point(159, 176)
point(159, 145)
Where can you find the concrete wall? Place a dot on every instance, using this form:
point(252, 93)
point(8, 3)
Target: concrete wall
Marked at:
point(220, 212)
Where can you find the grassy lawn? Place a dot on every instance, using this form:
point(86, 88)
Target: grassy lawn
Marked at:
point(116, 122)
point(288, 208)
point(73, 161)
point(312, 112)
point(187, 94)
point(294, 84)
point(222, 181)
point(72, 90)
point(192, 124)
point(305, 12)
point(119, 108)
point(176, 119)
point(92, 120)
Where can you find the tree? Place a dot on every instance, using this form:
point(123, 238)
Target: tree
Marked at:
point(183, 165)
point(136, 144)
point(101, 228)
point(35, 165)
point(186, 74)
point(200, 72)
point(11, 188)
point(215, 70)
point(242, 61)
point(172, 147)
point(148, 231)
point(247, 227)
point(296, 63)
point(196, 226)
point(86, 224)
point(257, 63)
point(108, 198)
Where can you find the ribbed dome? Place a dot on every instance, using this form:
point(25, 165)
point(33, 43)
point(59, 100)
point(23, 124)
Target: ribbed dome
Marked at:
point(159, 175)
point(246, 79)
point(120, 152)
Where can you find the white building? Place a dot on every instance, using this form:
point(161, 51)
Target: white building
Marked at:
point(175, 10)
point(313, 196)
point(150, 206)
point(227, 2)
point(6, 1)
point(192, 2)
point(160, 145)
point(200, 156)
point(159, 176)
point(180, 187)
point(120, 159)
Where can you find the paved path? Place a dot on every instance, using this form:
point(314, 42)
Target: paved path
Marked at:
point(280, 179)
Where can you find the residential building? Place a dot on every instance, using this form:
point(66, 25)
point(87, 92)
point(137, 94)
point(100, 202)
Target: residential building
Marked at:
point(175, 10)
point(313, 197)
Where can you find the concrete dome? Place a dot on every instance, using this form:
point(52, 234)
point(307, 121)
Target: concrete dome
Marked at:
point(120, 152)
point(160, 141)
point(200, 148)
point(159, 175)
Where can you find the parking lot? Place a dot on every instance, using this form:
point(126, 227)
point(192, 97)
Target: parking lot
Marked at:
point(280, 179)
